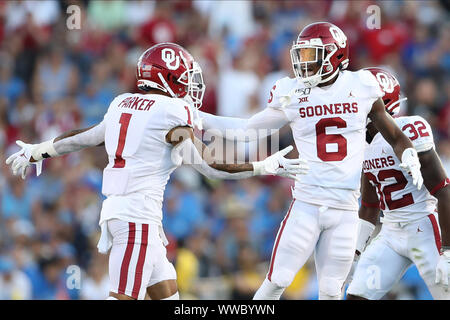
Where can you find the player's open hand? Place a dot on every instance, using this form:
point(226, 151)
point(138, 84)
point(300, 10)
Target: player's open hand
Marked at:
point(278, 165)
point(20, 161)
point(411, 164)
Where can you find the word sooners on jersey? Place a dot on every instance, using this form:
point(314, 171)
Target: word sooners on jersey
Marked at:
point(140, 161)
point(399, 198)
point(329, 126)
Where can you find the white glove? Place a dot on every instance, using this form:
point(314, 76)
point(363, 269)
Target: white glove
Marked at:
point(442, 269)
point(21, 160)
point(278, 165)
point(365, 230)
point(411, 164)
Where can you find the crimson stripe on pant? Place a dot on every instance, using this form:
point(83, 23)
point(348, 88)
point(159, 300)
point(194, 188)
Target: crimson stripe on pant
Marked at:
point(437, 236)
point(140, 262)
point(127, 258)
point(272, 261)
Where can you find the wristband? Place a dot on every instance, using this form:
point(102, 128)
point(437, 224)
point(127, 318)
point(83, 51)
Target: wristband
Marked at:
point(409, 153)
point(257, 168)
point(440, 186)
point(44, 150)
point(370, 205)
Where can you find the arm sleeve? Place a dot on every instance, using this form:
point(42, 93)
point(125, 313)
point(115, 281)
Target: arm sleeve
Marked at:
point(267, 119)
point(89, 138)
point(187, 153)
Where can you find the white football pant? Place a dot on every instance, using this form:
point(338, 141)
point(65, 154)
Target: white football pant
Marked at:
point(137, 259)
point(392, 251)
point(330, 233)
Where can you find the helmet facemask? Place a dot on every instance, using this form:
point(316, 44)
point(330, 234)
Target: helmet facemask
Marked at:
point(311, 63)
point(192, 78)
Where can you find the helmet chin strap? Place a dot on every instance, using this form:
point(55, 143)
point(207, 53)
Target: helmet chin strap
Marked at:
point(396, 105)
point(164, 82)
point(150, 84)
point(330, 77)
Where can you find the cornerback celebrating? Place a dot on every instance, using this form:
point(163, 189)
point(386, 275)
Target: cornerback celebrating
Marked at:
point(327, 109)
point(410, 230)
point(147, 136)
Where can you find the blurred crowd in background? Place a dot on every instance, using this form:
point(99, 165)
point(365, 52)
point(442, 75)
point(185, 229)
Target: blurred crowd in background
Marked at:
point(221, 233)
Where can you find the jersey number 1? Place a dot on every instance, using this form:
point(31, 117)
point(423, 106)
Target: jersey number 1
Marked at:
point(124, 121)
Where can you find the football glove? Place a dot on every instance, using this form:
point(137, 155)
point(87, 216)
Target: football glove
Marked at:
point(442, 269)
point(411, 164)
point(21, 159)
point(278, 165)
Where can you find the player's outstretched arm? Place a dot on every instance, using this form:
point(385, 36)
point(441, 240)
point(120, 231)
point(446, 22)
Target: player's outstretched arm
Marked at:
point(268, 119)
point(189, 150)
point(437, 183)
point(400, 143)
point(67, 142)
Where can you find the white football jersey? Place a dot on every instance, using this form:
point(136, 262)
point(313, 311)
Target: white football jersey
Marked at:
point(329, 126)
point(399, 198)
point(140, 160)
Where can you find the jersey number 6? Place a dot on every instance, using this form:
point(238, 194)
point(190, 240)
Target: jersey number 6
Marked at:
point(322, 139)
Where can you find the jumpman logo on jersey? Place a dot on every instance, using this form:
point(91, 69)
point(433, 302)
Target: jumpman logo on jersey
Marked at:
point(351, 95)
point(418, 230)
point(382, 151)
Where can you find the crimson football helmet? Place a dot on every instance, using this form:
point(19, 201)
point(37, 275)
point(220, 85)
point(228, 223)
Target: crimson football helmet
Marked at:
point(321, 50)
point(391, 88)
point(171, 68)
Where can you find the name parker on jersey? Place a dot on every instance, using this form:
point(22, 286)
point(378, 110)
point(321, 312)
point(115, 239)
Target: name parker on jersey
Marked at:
point(332, 108)
point(136, 103)
point(378, 163)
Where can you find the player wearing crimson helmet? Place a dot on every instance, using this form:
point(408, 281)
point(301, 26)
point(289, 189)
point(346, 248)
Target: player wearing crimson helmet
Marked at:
point(320, 52)
point(147, 136)
point(410, 230)
point(171, 69)
point(327, 108)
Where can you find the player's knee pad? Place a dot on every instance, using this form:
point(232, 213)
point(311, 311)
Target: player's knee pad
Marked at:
point(282, 277)
point(330, 288)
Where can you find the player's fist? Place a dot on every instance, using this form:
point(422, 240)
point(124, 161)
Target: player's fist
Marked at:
point(20, 161)
point(442, 269)
point(411, 164)
point(278, 165)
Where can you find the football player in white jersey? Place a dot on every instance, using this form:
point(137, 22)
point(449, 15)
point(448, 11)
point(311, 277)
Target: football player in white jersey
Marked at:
point(147, 136)
point(410, 231)
point(327, 108)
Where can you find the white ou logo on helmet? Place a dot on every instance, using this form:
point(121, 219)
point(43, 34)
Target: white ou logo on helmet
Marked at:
point(339, 36)
point(169, 57)
point(386, 83)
